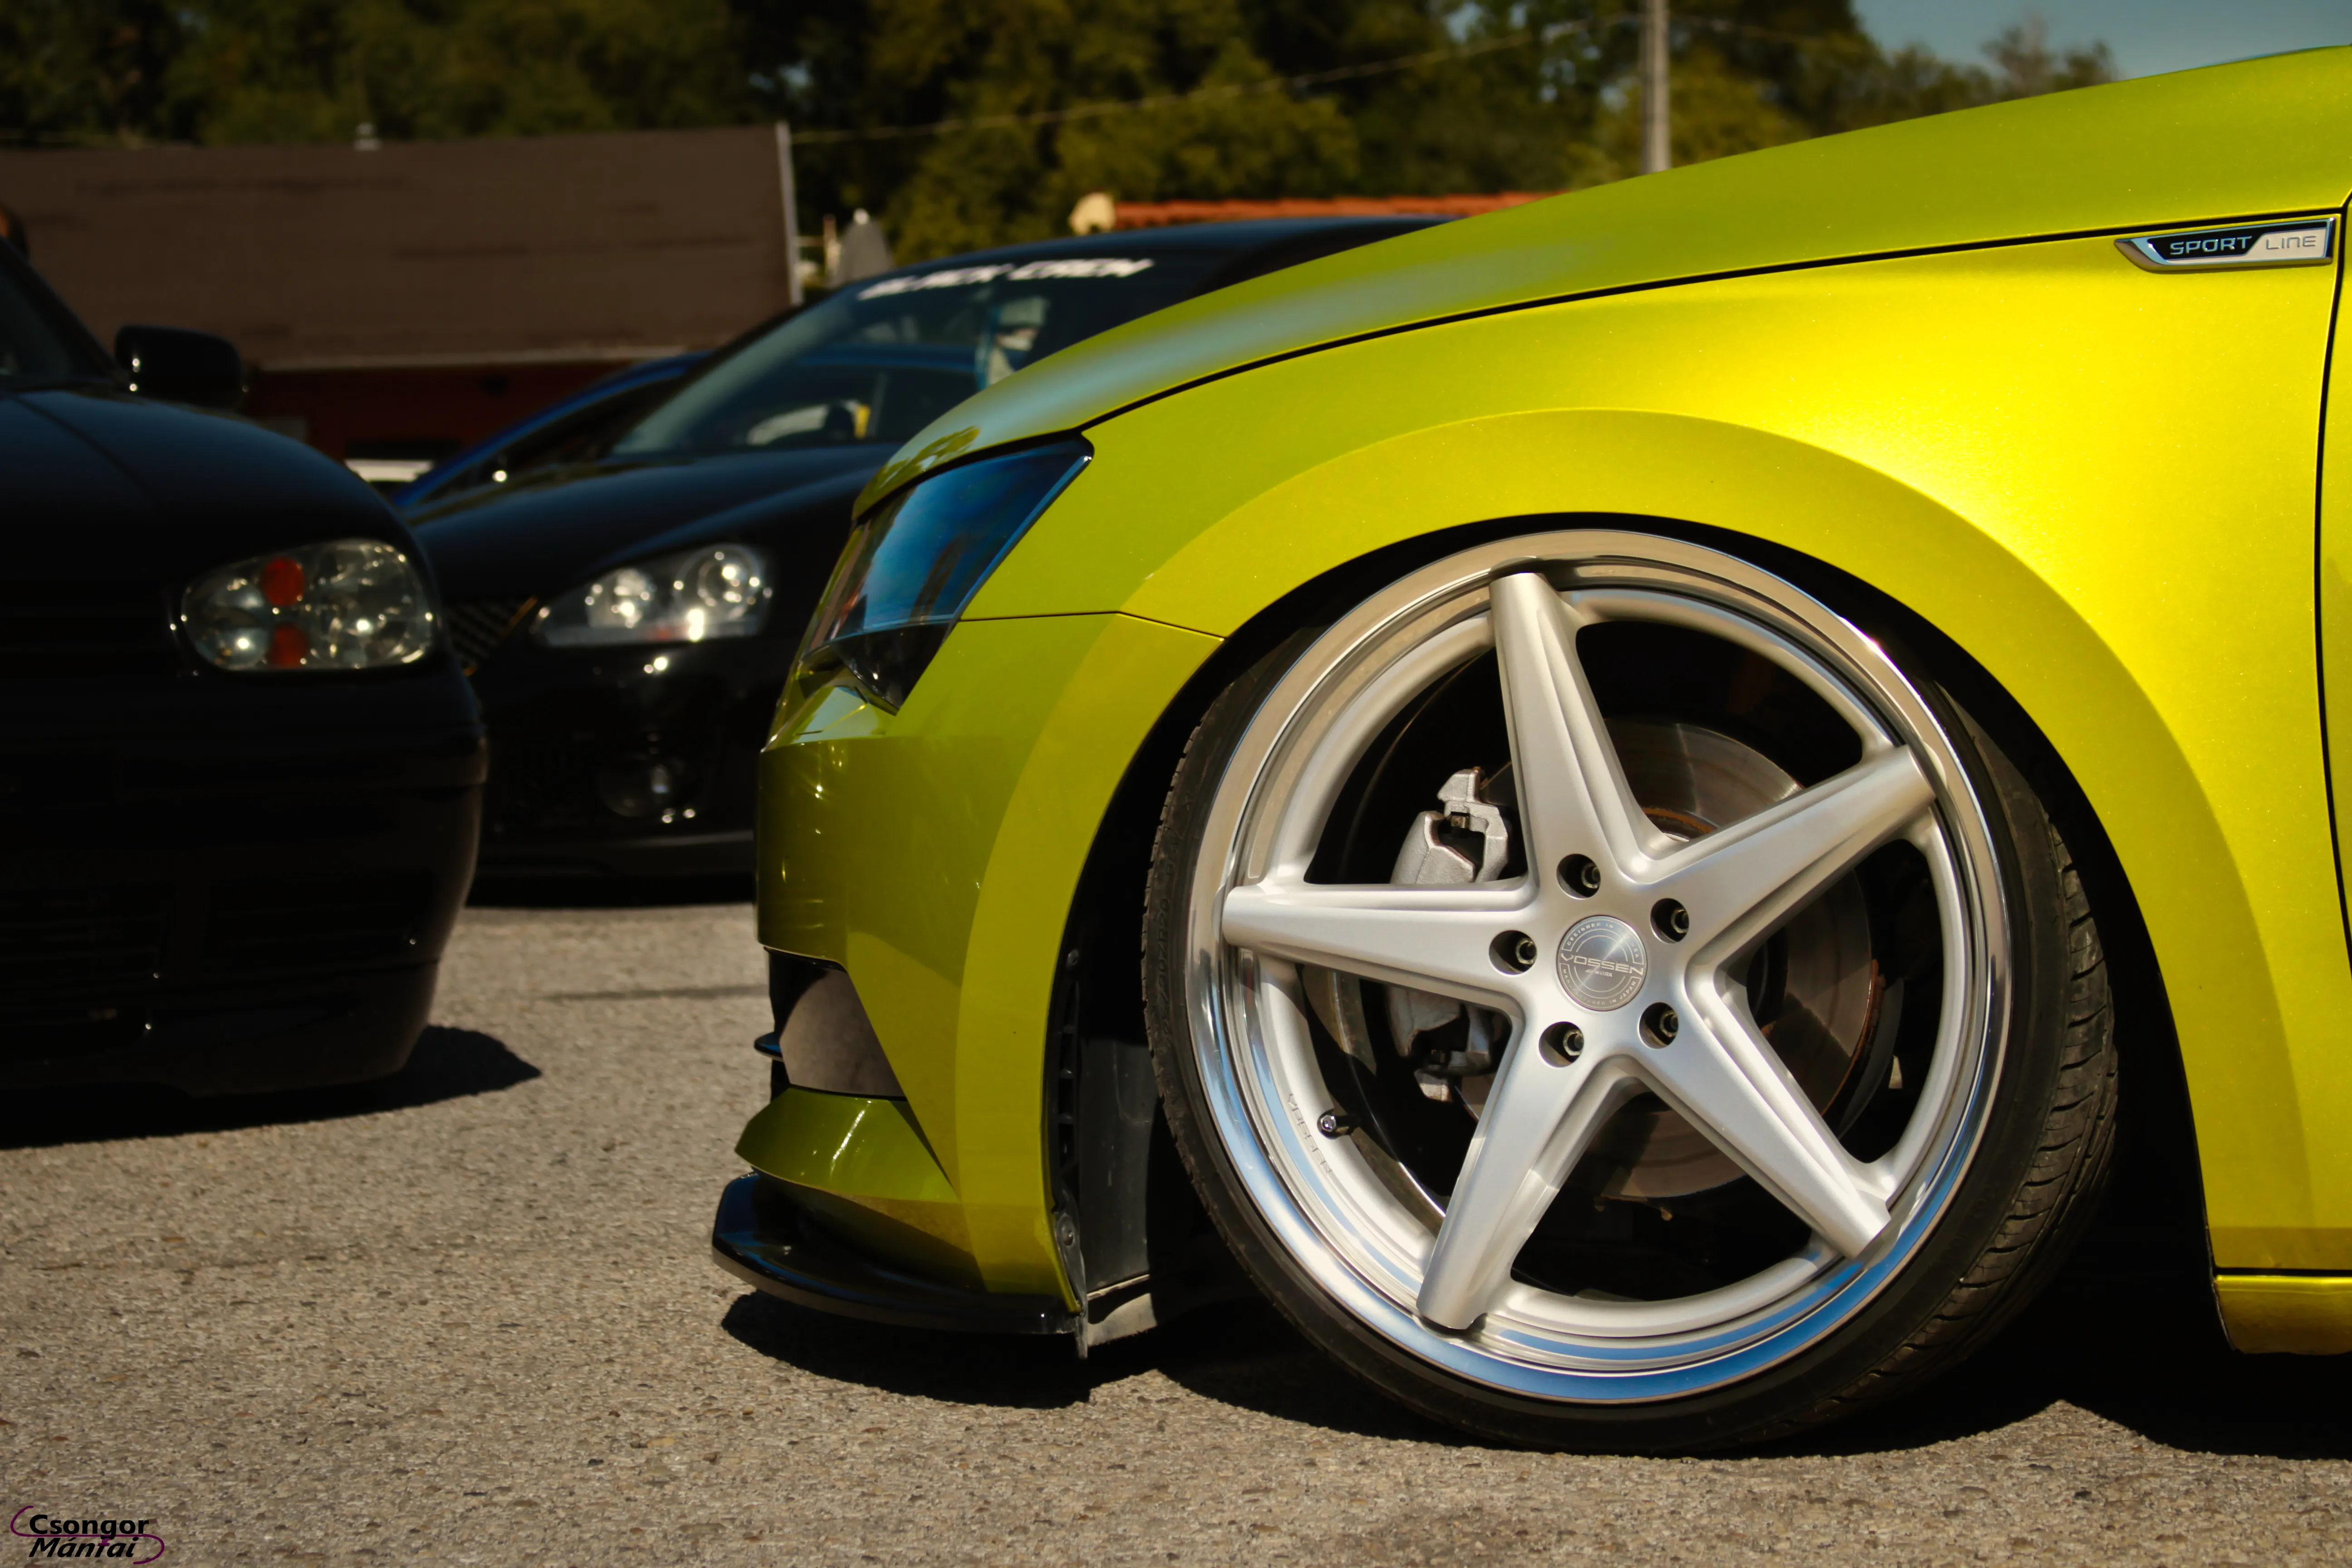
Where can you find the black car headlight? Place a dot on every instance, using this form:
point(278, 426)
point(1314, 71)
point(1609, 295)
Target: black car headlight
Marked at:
point(351, 604)
point(696, 595)
point(914, 563)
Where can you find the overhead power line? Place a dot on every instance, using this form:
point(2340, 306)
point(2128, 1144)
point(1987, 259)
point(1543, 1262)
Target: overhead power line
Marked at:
point(1518, 40)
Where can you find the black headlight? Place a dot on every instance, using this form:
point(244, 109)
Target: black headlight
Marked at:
point(696, 595)
point(914, 563)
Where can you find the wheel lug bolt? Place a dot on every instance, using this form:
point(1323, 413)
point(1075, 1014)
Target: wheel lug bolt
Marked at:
point(1660, 1026)
point(1561, 1044)
point(1579, 875)
point(1672, 920)
point(1515, 952)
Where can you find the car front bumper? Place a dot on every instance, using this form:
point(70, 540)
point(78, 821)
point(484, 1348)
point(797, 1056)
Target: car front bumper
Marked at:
point(634, 762)
point(250, 890)
point(934, 853)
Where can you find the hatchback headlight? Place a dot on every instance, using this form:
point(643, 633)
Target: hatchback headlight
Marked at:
point(354, 604)
point(717, 591)
point(916, 560)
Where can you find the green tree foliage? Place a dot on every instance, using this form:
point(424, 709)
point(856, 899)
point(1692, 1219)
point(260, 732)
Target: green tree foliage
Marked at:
point(89, 70)
point(305, 71)
point(1534, 95)
point(128, 71)
point(1259, 98)
point(919, 61)
point(2024, 66)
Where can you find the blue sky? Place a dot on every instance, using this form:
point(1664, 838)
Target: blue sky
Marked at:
point(2146, 36)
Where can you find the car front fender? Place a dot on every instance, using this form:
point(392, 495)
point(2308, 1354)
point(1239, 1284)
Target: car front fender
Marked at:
point(2095, 481)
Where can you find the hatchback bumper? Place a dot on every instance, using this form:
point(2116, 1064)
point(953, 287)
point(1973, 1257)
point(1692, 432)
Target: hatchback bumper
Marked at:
point(230, 910)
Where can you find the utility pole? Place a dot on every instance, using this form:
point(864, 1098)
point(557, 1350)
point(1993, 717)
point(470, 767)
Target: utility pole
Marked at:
point(791, 214)
point(1657, 119)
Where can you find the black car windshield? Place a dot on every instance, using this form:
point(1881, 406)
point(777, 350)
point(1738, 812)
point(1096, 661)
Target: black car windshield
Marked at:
point(879, 361)
point(35, 345)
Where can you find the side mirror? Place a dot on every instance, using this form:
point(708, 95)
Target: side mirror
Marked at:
point(181, 366)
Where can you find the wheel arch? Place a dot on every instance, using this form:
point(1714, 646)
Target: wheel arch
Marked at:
point(1976, 593)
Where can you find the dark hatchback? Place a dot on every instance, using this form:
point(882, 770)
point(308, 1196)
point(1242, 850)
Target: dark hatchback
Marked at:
point(629, 618)
point(242, 771)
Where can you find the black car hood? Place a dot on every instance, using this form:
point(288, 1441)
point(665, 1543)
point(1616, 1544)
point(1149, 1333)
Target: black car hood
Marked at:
point(95, 478)
point(566, 528)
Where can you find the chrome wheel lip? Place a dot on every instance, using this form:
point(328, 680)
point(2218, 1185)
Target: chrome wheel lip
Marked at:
point(1226, 986)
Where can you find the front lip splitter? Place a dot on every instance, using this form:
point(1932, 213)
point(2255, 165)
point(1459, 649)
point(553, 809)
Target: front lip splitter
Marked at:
point(760, 1236)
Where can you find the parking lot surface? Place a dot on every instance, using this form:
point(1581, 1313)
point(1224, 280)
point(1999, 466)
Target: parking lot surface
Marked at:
point(470, 1315)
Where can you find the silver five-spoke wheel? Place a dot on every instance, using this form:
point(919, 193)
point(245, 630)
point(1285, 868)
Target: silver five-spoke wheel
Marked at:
point(1595, 962)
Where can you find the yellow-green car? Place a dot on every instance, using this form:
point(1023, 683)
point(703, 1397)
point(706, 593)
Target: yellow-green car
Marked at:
point(1631, 792)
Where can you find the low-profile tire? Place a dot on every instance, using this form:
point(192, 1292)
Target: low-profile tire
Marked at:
point(1608, 1002)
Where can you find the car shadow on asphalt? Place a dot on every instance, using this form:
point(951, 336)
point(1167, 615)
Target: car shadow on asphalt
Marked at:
point(1240, 1353)
point(2146, 1354)
point(447, 1064)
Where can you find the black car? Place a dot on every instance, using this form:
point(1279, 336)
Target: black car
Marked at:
point(242, 770)
point(629, 619)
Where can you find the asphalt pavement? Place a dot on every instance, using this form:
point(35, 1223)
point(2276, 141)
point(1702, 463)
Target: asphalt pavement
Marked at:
point(469, 1315)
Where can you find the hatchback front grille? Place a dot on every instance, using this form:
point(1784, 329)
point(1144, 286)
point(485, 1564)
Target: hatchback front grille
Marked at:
point(75, 957)
point(478, 626)
point(53, 630)
point(540, 782)
point(301, 924)
point(86, 941)
point(314, 920)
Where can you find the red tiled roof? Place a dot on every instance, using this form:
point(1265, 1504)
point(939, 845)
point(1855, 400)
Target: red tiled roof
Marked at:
point(1154, 214)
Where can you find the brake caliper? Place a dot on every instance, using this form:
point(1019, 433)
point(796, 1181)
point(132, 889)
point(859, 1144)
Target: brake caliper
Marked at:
point(1464, 840)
